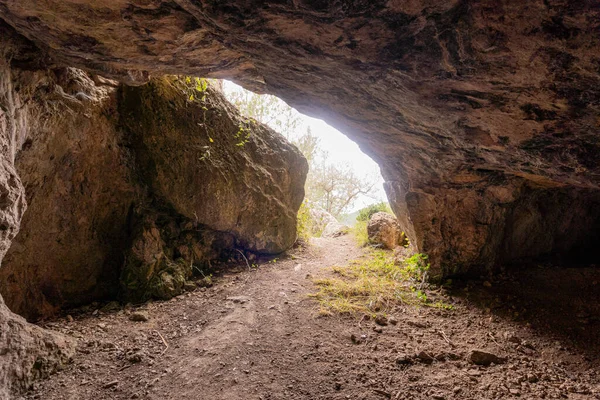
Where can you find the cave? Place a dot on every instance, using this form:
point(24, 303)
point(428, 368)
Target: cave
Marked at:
point(482, 115)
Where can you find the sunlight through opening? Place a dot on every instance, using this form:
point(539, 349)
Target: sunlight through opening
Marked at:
point(332, 156)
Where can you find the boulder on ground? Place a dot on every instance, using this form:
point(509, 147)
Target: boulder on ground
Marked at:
point(335, 229)
point(384, 230)
point(324, 224)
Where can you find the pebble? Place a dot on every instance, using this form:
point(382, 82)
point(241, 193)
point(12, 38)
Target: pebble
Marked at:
point(111, 306)
point(403, 360)
point(479, 357)
point(425, 357)
point(135, 358)
point(139, 316)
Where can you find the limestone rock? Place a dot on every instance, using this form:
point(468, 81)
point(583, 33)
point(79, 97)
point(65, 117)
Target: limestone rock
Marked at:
point(383, 229)
point(324, 224)
point(28, 352)
point(79, 194)
point(335, 229)
point(485, 358)
point(93, 175)
point(148, 272)
point(319, 219)
point(213, 166)
point(139, 316)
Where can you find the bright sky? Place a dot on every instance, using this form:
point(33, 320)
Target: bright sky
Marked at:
point(339, 148)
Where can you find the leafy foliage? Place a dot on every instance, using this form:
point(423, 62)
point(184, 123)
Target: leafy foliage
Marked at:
point(196, 90)
point(417, 266)
point(366, 213)
point(242, 135)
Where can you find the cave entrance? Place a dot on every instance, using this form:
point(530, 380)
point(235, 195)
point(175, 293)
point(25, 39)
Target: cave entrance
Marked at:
point(342, 180)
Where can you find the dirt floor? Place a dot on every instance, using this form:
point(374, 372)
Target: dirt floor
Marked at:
point(257, 335)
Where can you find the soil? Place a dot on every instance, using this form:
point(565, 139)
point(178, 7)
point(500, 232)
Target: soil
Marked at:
point(256, 334)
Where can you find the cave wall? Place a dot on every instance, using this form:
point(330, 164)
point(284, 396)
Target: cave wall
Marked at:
point(79, 191)
point(497, 222)
point(27, 352)
point(442, 94)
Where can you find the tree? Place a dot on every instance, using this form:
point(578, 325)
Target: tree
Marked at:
point(336, 187)
point(267, 109)
point(308, 144)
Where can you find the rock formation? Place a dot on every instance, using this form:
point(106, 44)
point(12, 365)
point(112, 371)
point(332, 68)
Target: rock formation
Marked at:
point(142, 185)
point(483, 115)
point(26, 351)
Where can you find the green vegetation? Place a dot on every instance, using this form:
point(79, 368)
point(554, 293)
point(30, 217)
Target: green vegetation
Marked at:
point(366, 213)
point(375, 284)
point(304, 225)
point(196, 90)
point(242, 135)
point(359, 231)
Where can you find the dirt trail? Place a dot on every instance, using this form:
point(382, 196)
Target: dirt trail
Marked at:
point(257, 335)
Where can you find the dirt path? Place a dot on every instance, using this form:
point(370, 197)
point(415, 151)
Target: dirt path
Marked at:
point(257, 335)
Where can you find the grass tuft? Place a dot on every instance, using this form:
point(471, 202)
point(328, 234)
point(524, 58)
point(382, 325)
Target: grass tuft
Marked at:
point(359, 231)
point(374, 284)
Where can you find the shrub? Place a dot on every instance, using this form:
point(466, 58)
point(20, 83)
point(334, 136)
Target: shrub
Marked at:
point(366, 213)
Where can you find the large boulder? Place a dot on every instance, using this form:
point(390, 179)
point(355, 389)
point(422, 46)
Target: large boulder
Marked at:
point(384, 230)
point(211, 165)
